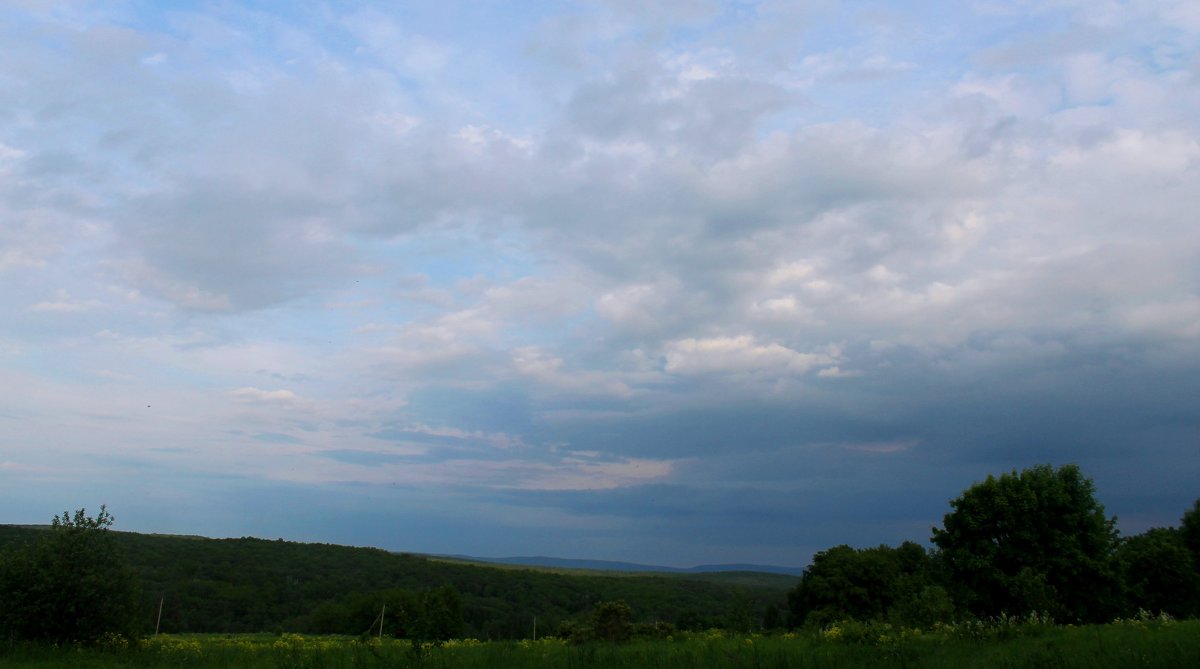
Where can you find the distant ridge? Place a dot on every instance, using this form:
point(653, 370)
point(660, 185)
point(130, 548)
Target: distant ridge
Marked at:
point(610, 565)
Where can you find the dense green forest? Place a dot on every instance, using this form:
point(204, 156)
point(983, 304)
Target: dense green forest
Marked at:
point(251, 585)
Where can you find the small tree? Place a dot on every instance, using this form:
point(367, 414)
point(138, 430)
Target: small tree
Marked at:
point(72, 585)
point(1031, 541)
point(442, 615)
point(612, 621)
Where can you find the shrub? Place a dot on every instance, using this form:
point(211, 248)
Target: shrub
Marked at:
point(612, 621)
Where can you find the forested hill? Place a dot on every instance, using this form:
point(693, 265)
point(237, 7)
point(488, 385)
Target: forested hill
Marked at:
point(247, 585)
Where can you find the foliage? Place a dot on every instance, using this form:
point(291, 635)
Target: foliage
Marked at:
point(772, 619)
point(655, 630)
point(1031, 541)
point(441, 614)
point(1189, 530)
point(1146, 619)
point(869, 584)
point(999, 628)
point(1159, 573)
point(612, 621)
point(73, 584)
point(1147, 641)
point(924, 608)
point(430, 615)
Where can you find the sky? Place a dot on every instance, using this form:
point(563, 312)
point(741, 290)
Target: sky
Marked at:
point(677, 283)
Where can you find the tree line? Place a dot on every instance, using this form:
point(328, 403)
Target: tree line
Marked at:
point(1030, 542)
point(258, 585)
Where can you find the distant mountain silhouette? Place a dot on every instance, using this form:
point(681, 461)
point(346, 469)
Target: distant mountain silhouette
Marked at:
point(610, 565)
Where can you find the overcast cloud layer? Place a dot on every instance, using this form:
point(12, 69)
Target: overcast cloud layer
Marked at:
point(695, 283)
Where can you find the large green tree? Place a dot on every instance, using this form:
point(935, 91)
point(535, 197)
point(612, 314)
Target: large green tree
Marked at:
point(1036, 540)
point(71, 585)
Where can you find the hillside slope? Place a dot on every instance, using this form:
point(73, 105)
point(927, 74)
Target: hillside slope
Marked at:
point(251, 585)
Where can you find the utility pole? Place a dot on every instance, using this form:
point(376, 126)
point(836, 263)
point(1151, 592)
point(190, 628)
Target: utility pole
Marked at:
point(381, 613)
point(158, 621)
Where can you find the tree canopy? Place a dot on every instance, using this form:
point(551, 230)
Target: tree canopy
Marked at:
point(1189, 529)
point(870, 583)
point(1159, 573)
point(1036, 540)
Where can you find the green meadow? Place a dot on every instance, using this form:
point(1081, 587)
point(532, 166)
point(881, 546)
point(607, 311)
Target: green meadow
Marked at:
point(1147, 641)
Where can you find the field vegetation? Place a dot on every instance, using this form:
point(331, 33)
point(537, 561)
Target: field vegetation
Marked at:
point(1145, 642)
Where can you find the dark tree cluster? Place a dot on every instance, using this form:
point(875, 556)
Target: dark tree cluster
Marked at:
point(882, 583)
point(1035, 541)
point(72, 584)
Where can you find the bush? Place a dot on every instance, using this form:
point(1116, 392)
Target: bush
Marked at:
point(612, 621)
point(923, 609)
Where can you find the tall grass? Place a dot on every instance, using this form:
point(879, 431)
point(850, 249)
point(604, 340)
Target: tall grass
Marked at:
point(999, 644)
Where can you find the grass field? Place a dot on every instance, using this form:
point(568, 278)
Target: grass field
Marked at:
point(1134, 643)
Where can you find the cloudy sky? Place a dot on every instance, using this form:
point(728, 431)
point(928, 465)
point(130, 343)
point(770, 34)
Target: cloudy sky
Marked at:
point(679, 282)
